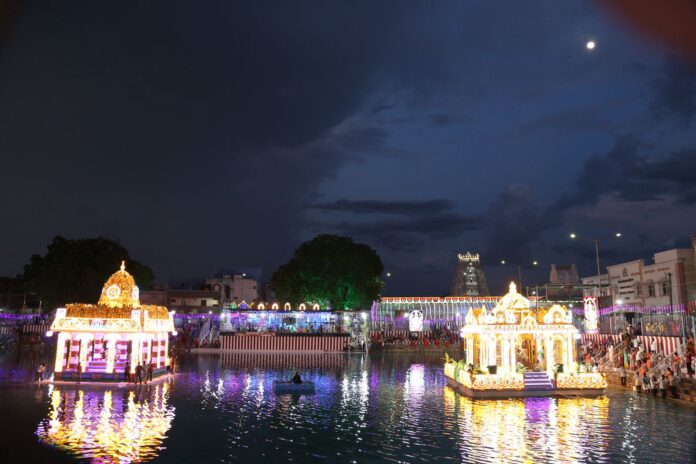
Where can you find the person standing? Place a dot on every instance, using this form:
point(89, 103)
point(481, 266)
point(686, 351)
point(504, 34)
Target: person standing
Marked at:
point(637, 381)
point(79, 371)
point(622, 374)
point(138, 374)
point(654, 386)
point(149, 372)
point(126, 372)
point(663, 386)
point(673, 382)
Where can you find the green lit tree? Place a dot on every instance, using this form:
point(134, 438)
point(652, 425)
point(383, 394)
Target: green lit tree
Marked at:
point(332, 271)
point(74, 271)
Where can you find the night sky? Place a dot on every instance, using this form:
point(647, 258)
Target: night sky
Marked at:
point(208, 135)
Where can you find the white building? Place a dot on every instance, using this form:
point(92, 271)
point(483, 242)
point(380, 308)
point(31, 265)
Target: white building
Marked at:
point(234, 288)
point(669, 280)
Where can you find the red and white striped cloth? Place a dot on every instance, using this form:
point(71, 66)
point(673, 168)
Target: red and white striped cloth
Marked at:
point(664, 344)
point(40, 329)
point(6, 330)
point(600, 338)
point(281, 342)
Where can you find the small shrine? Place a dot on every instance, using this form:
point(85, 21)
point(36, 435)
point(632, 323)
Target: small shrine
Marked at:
point(517, 350)
point(117, 333)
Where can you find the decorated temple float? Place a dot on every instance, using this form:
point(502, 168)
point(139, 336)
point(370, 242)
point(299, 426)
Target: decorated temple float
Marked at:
point(116, 333)
point(515, 350)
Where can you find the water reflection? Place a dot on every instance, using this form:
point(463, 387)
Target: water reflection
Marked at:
point(530, 429)
point(377, 408)
point(108, 425)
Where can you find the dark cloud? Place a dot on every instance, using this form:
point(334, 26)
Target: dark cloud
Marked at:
point(569, 120)
point(631, 176)
point(513, 225)
point(448, 119)
point(197, 134)
point(362, 139)
point(674, 91)
point(382, 107)
point(424, 207)
point(416, 222)
point(410, 232)
point(673, 174)
point(166, 125)
point(520, 229)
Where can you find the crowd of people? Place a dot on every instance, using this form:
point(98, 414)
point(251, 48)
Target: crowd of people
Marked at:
point(434, 338)
point(655, 371)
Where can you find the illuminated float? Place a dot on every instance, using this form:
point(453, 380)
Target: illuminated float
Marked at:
point(517, 350)
point(116, 332)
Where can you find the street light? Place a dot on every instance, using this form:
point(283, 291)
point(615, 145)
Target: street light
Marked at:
point(574, 236)
point(519, 269)
point(388, 274)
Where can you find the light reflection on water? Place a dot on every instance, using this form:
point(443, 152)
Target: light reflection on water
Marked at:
point(531, 429)
point(381, 408)
point(108, 425)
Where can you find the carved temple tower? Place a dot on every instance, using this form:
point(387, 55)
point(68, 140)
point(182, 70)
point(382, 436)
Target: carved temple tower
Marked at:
point(468, 277)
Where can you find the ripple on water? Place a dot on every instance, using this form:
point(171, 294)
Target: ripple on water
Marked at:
point(389, 408)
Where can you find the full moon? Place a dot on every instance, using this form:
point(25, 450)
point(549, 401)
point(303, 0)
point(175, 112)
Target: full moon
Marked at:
point(590, 45)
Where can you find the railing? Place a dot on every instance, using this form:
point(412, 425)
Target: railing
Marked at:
point(662, 363)
point(611, 360)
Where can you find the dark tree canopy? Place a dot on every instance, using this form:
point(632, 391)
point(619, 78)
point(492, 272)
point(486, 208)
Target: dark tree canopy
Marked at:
point(73, 271)
point(331, 271)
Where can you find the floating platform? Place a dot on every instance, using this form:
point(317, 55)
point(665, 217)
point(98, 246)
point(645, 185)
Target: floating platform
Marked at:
point(70, 376)
point(289, 387)
point(527, 384)
point(531, 393)
point(111, 383)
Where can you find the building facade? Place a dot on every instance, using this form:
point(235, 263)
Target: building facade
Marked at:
point(468, 279)
point(658, 298)
point(233, 288)
point(564, 280)
point(184, 301)
point(670, 281)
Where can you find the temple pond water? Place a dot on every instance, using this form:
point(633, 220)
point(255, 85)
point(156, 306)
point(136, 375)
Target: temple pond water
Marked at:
point(378, 408)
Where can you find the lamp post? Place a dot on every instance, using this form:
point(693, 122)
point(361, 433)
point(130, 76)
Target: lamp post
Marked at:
point(519, 269)
point(575, 236)
point(671, 307)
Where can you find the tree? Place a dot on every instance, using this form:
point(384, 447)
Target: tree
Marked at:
point(331, 271)
point(74, 271)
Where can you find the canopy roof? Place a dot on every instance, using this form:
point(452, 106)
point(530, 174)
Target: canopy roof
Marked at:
point(118, 310)
point(514, 312)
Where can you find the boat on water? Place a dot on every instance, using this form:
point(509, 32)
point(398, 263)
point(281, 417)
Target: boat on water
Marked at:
point(289, 387)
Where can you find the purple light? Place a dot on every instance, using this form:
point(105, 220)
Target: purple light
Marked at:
point(17, 316)
point(666, 309)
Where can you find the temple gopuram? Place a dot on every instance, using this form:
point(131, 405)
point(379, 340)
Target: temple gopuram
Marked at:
point(103, 339)
point(468, 279)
